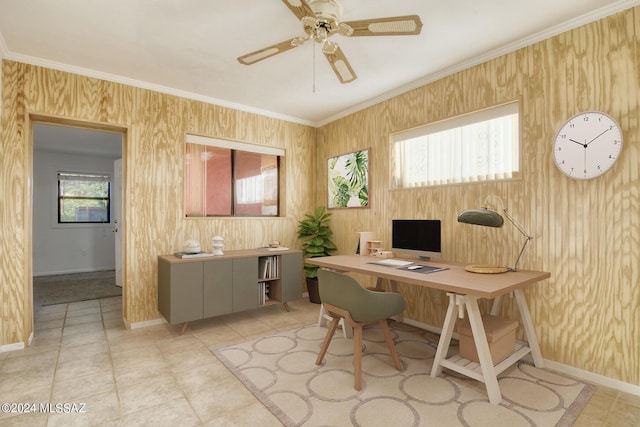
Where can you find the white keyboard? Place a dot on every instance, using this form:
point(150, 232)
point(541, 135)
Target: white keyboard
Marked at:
point(394, 262)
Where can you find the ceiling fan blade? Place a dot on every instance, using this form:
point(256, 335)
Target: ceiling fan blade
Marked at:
point(268, 52)
point(340, 65)
point(300, 8)
point(392, 26)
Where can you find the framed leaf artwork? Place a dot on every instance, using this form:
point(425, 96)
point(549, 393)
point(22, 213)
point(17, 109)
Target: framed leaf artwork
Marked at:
point(348, 176)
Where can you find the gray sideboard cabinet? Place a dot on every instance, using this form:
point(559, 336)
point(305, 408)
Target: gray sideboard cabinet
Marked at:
point(198, 288)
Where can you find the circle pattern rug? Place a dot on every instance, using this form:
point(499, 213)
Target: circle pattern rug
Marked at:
point(280, 371)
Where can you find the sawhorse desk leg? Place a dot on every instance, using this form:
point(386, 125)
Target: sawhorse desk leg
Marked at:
point(489, 376)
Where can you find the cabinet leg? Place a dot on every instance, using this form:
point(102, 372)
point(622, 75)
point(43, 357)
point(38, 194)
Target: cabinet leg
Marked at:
point(286, 306)
point(184, 327)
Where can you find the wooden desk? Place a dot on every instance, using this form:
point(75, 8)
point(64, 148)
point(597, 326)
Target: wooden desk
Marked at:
point(464, 290)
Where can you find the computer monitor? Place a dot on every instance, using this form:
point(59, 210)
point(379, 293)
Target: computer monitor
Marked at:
point(417, 237)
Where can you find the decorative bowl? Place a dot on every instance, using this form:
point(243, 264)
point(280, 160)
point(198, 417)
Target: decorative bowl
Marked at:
point(191, 247)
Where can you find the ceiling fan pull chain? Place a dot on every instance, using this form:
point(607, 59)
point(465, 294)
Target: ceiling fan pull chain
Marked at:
point(314, 68)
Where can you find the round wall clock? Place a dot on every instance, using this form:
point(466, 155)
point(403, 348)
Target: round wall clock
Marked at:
point(587, 145)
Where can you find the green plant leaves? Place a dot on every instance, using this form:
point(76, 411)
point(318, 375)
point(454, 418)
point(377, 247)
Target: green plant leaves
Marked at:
point(348, 179)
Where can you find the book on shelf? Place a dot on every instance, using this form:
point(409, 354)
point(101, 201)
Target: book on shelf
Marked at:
point(192, 255)
point(278, 249)
point(268, 267)
point(263, 292)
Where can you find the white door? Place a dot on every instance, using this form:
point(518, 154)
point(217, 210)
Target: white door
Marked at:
point(118, 223)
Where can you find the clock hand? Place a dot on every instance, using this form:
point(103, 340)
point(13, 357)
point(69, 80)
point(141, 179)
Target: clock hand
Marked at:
point(579, 143)
point(598, 136)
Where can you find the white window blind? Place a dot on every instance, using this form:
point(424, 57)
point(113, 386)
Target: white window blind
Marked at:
point(479, 146)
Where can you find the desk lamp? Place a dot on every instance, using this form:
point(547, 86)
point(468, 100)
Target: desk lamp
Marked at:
point(490, 218)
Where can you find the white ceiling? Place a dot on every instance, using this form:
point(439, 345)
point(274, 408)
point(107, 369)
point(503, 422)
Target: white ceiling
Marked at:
point(72, 140)
point(189, 47)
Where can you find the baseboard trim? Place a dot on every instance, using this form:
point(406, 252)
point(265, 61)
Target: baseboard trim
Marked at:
point(583, 375)
point(147, 323)
point(593, 378)
point(11, 347)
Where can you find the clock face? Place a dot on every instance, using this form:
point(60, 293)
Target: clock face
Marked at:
point(587, 145)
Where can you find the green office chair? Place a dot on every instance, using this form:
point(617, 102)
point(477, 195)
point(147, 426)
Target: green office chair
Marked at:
point(344, 298)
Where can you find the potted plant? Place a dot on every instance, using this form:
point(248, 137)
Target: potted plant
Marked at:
point(316, 237)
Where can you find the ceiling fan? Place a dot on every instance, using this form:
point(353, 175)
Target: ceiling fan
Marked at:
point(320, 20)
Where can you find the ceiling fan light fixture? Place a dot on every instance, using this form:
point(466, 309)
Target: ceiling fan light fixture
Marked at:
point(320, 20)
point(329, 48)
point(325, 9)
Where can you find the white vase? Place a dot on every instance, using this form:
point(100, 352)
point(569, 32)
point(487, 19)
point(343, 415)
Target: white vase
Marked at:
point(216, 245)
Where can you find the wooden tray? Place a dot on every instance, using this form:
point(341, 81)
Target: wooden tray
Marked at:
point(486, 269)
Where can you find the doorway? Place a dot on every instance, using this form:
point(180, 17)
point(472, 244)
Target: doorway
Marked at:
point(64, 248)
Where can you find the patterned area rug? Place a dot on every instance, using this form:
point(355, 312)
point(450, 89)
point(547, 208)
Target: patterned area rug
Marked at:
point(66, 288)
point(280, 371)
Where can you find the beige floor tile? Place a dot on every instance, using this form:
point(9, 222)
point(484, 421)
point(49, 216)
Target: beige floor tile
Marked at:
point(25, 420)
point(51, 315)
point(32, 394)
point(584, 420)
point(126, 340)
point(74, 368)
point(249, 328)
point(29, 360)
point(83, 311)
point(623, 415)
point(126, 355)
point(631, 399)
point(256, 414)
point(40, 325)
point(145, 371)
point(193, 358)
point(179, 344)
point(97, 410)
point(76, 389)
point(176, 412)
point(599, 406)
point(45, 310)
point(218, 336)
point(85, 318)
point(84, 338)
point(82, 328)
point(139, 396)
point(111, 315)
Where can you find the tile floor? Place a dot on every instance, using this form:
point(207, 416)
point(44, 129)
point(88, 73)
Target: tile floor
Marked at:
point(83, 356)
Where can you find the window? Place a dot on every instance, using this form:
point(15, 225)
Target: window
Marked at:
point(83, 198)
point(480, 146)
point(229, 178)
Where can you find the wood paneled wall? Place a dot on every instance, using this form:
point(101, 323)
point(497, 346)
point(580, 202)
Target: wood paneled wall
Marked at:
point(586, 232)
point(155, 126)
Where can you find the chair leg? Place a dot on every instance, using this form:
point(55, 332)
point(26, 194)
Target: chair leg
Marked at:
point(357, 356)
point(327, 339)
point(392, 347)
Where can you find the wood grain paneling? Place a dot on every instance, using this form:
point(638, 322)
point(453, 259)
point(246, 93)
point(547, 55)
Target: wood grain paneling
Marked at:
point(155, 126)
point(585, 233)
